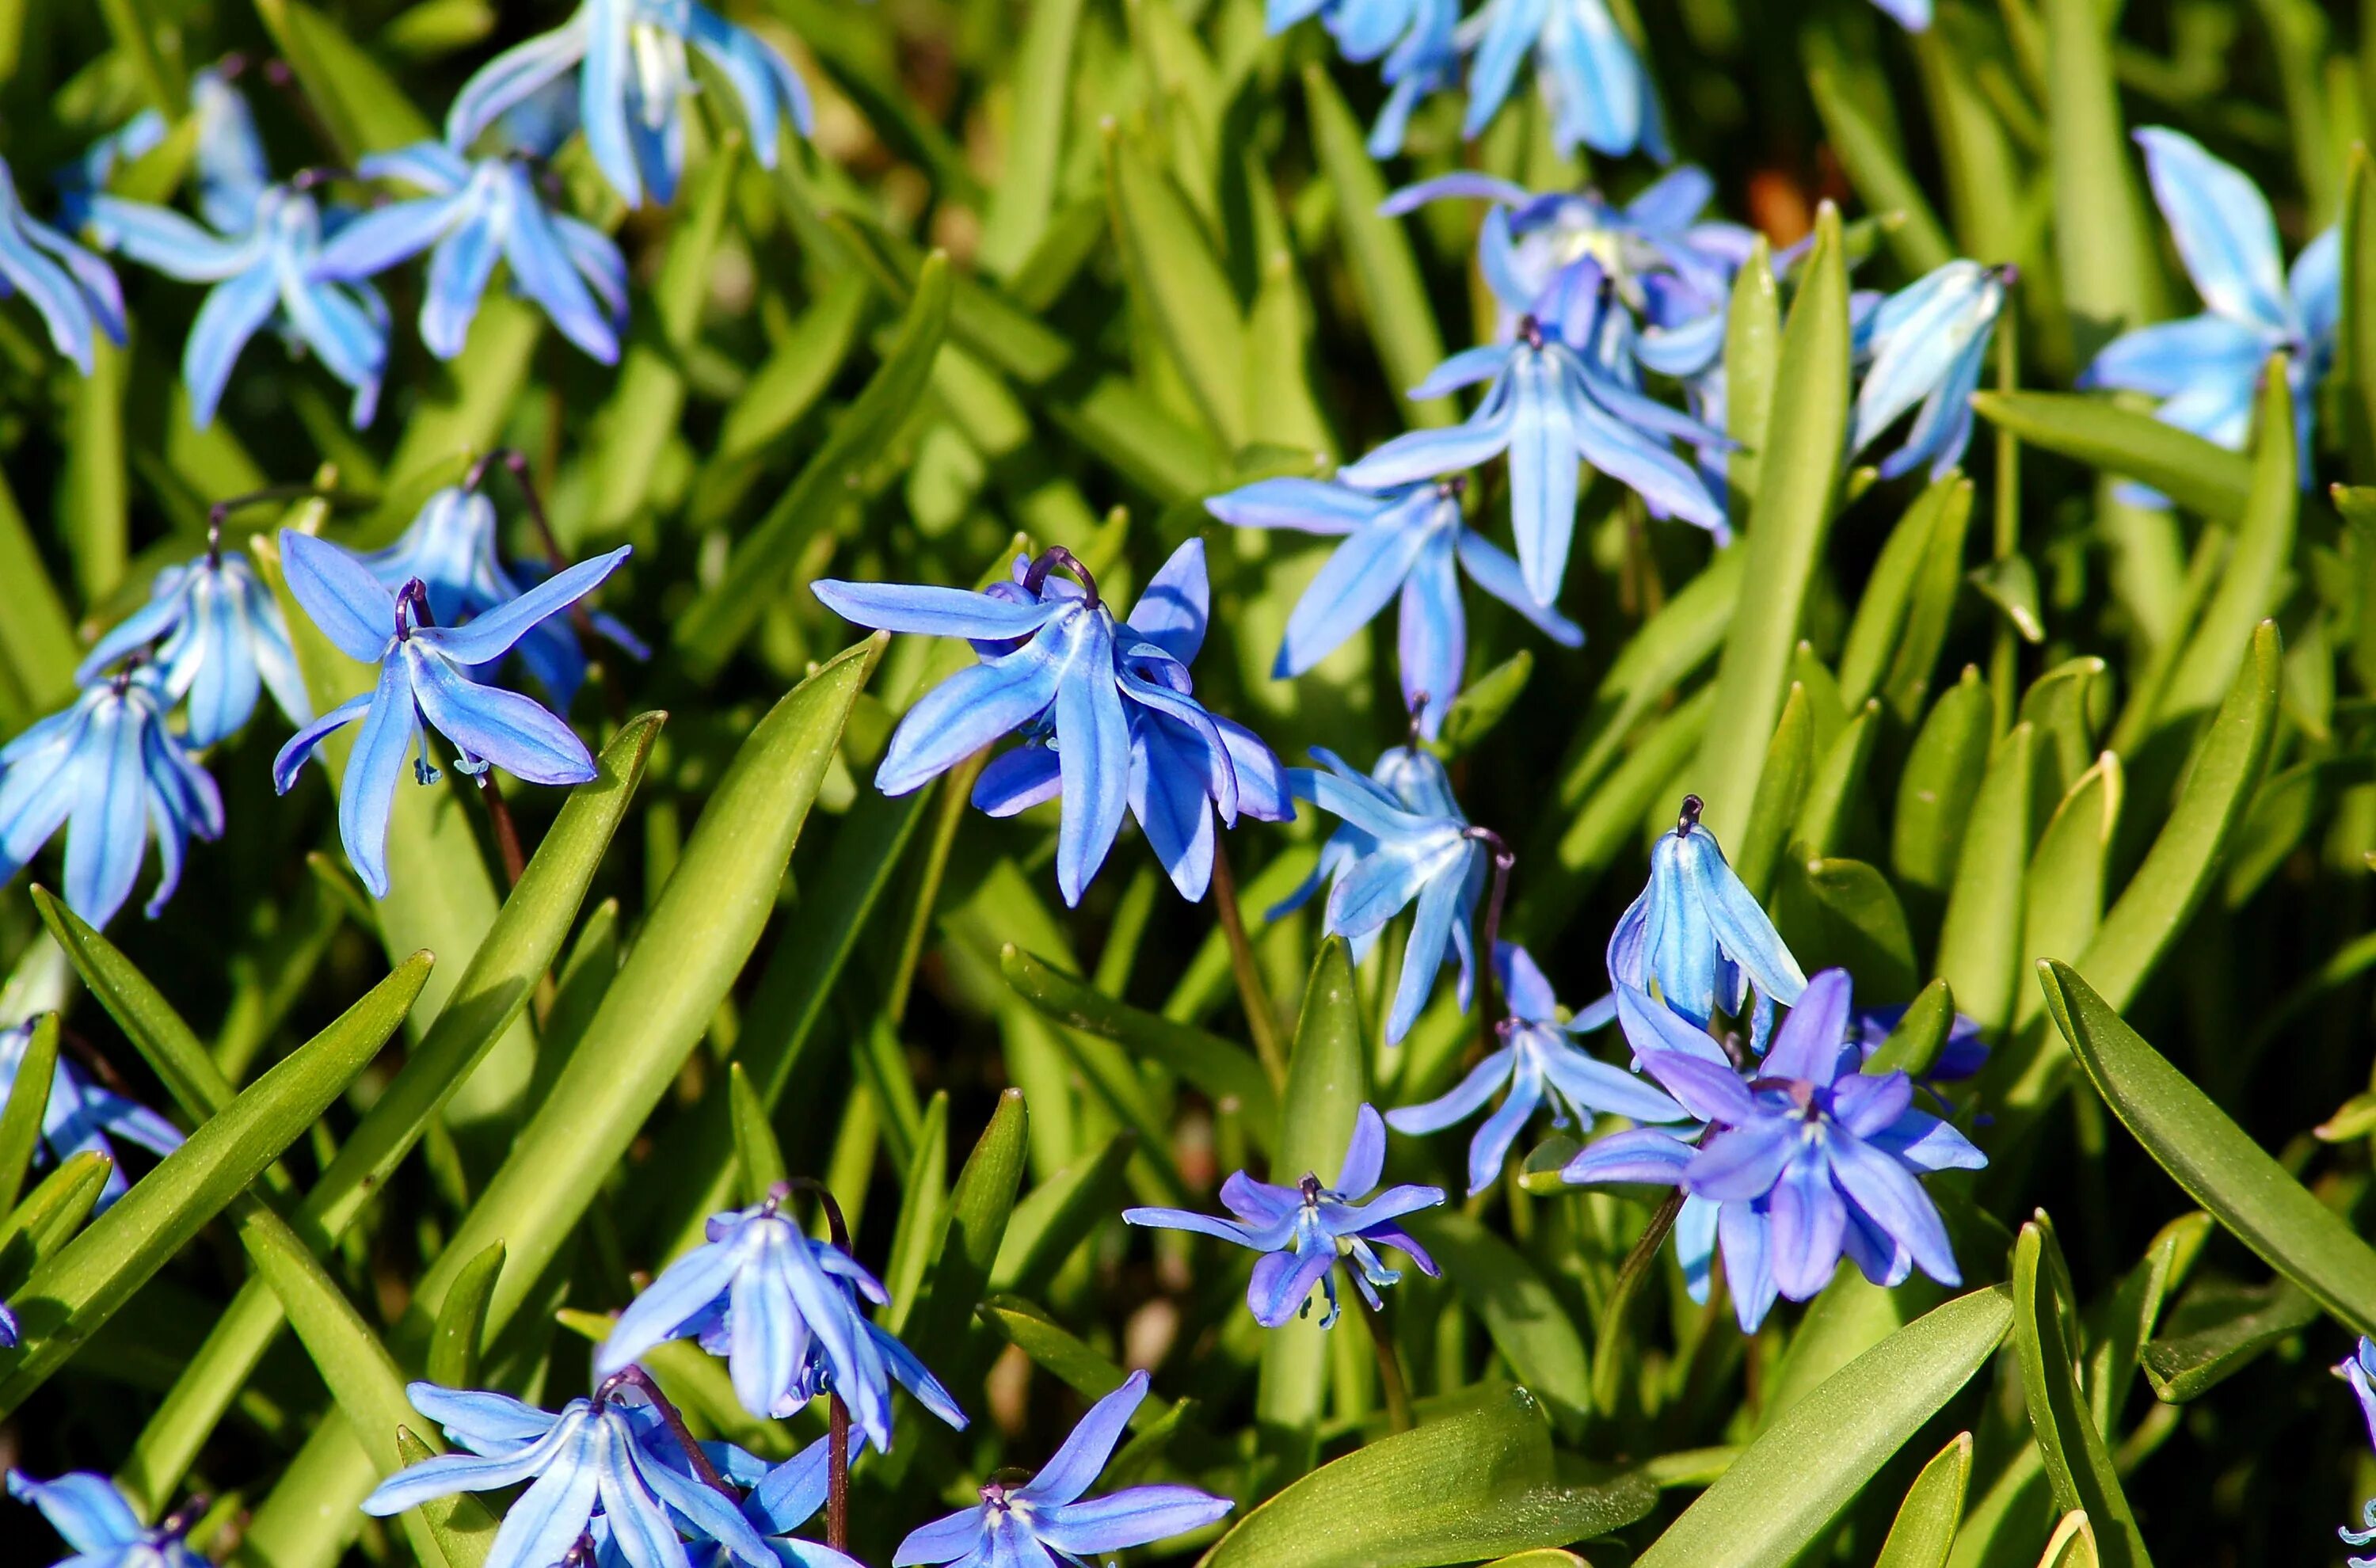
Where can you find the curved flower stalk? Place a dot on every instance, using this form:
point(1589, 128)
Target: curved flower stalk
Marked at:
point(1043, 1520)
point(1411, 541)
point(783, 1310)
point(1538, 1061)
point(2206, 367)
point(1114, 702)
point(1302, 1229)
point(79, 1117)
point(634, 74)
point(1404, 840)
point(1927, 344)
point(475, 213)
point(92, 1517)
point(1598, 92)
point(218, 642)
point(75, 292)
point(609, 1453)
point(450, 546)
point(108, 771)
point(423, 680)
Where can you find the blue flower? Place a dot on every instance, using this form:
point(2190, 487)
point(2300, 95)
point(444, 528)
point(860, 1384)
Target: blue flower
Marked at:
point(1407, 539)
point(423, 680)
point(604, 1453)
point(1056, 669)
point(1594, 84)
point(1695, 939)
point(263, 274)
point(2206, 368)
point(220, 641)
point(1043, 1521)
point(76, 293)
point(1404, 839)
point(79, 1117)
point(232, 172)
point(783, 1310)
point(2358, 1368)
point(474, 213)
point(110, 772)
point(1539, 1056)
point(779, 1498)
point(95, 1520)
point(1546, 408)
point(78, 181)
point(450, 546)
point(1927, 344)
point(633, 75)
point(1302, 1229)
point(1426, 61)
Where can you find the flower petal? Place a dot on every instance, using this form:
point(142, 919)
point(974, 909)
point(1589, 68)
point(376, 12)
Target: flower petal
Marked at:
point(491, 634)
point(1075, 1465)
point(1134, 1516)
point(516, 733)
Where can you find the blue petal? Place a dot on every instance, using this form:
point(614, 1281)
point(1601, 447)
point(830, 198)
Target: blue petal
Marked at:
point(1642, 1155)
point(944, 1540)
point(933, 611)
point(965, 713)
point(2222, 227)
point(1810, 1042)
point(1673, 199)
point(1544, 441)
point(1189, 1220)
point(1169, 796)
point(1172, 611)
point(367, 792)
point(604, 82)
point(1741, 1163)
point(2169, 357)
point(161, 238)
point(1661, 478)
point(491, 634)
point(1093, 736)
point(458, 271)
point(1282, 1282)
point(1440, 905)
point(1493, 569)
point(683, 1289)
point(1591, 1084)
point(1134, 1516)
point(1429, 454)
point(378, 240)
point(543, 270)
point(1808, 1228)
point(2316, 284)
point(233, 312)
point(1433, 636)
point(1495, 1135)
point(1461, 1103)
point(1470, 366)
point(84, 1508)
point(545, 1522)
point(109, 832)
point(512, 76)
point(1896, 1202)
point(450, 1473)
point(144, 625)
point(1460, 183)
point(340, 595)
point(1742, 926)
point(1354, 584)
point(1746, 1237)
point(1511, 29)
point(1597, 91)
point(1263, 791)
point(477, 1418)
point(1307, 505)
point(1017, 780)
point(1074, 1466)
point(516, 733)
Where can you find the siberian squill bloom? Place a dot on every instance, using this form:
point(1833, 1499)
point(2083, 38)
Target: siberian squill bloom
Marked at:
point(1927, 344)
point(2206, 368)
point(1412, 541)
point(423, 680)
point(1546, 409)
point(473, 214)
point(94, 1518)
point(634, 74)
point(782, 1309)
point(1113, 701)
point(75, 292)
point(220, 642)
point(779, 1498)
point(597, 1453)
point(2358, 1368)
point(110, 772)
point(1427, 61)
point(79, 1116)
point(1043, 1521)
point(1302, 1229)
point(1539, 1059)
point(450, 546)
point(1404, 839)
point(1595, 84)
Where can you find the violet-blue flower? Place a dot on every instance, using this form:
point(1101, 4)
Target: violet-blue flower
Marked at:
point(1590, 77)
point(1539, 1059)
point(75, 292)
point(1404, 839)
point(1043, 1521)
point(476, 213)
point(779, 1498)
point(92, 1517)
point(783, 1308)
point(110, 772)
point(1302, 1229)
point(2206, 367)
point(1412, 541)
point(1114, 702)
point(220, 642)
point(634, 74)
point(79, 1117)
point(1927, 344)
point(422, 680)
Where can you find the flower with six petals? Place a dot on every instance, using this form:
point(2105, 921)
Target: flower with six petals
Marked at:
point(220, 642)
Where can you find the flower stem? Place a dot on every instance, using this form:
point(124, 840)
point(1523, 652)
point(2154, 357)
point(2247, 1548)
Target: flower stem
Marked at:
point(1488, 994)
point(1390, 1367)
point(223, 509)
point(674, 1419)
point(1260, 1022)
point(507, 839)
point(837, 1484)
point(1635, 1269)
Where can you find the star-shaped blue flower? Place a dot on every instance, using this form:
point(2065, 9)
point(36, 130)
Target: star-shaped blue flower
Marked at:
point(76, 293)
point(2206, 368)
point(1302, 1229)
point(633, 78)
point(1411, 541)
point(79, 1117)
point(474, 214)
point(1927, 344)
point(1043, 1521)
point(1539, 1060)
point(423, 680)
point(108, 771)
point(95, 1520)
point(1599, 94)
point(220, 642)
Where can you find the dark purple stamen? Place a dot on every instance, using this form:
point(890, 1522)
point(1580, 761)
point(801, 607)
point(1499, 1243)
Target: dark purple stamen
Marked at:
point(1055, 555)
point(1531, 331)
point(414, 597)
point(1693, 806)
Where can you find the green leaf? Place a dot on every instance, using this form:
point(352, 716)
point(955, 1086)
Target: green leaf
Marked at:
point(2062, 704)
point(2252, 577)
point(1470, 1485)
point(2358, 347)
point(923, 1216)
point(1174, 276)
point(37, 639)
point(698, 1382)
point(2217, 1333)
point(1935, 791)
point(70, 1295)
point(2078, 1465)
point(1485, 703)
point(1057, 1216)
point(29, 1097)
point(1787, 1486)
point(2104, 242)
point(1980, 940)
point(708, 632)
point(2215, 1161)
point(1924, 1531)
point(754, 1140)
point(1072, 1362)
point(1326, 1086)
point(461, 1332)
point(1848, 1317)
point(1781, 791)
point(1752, 348)
point(1889, 591)
point(1914, 1045)
point(2012, 585)
point(2063, 890)
point(1844, 912)
point(49, 1214)
point(1025, 192)
point(1527, 1321)
point(462, 1527)
point(361, 106)
point(2189, 470)
point(1835, 801)
point(1880, 178)
point(979, 1206)
point(1799, 483)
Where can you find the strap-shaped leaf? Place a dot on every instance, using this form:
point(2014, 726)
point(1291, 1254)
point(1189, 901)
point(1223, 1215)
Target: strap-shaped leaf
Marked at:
point(1528, 1322)
point(1924, 1531)
point(980, 1204)
point(2078, 1461)
point(1058, 1214)
point(29, 1097)
point(2189, 470)
point(461, 1332)
point(1980, 940)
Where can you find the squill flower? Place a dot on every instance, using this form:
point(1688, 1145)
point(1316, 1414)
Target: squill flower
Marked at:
point(220, 641)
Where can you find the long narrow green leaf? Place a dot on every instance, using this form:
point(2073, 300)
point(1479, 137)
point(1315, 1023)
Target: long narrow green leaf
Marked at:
point(1881, 177)
point(29, 1098)
point(2078, 1465)
point(1179, 282)
point(2358, 347)
point(2104, 251)
point(2189, 470)
point(1924, 1531)
point(1527, 1321)
point(2251, 579)
point(1979, 941)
